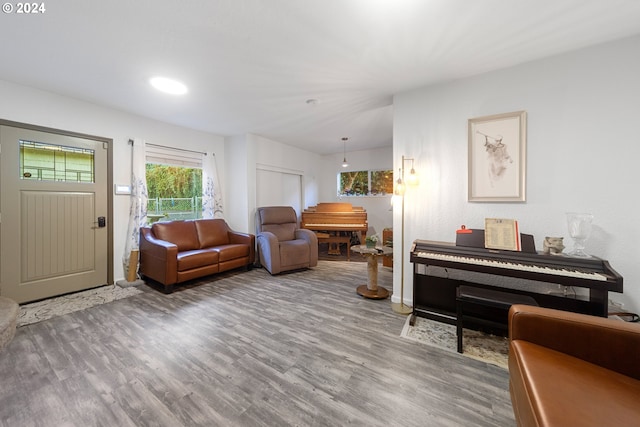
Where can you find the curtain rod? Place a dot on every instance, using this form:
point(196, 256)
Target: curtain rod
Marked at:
point(173, 148)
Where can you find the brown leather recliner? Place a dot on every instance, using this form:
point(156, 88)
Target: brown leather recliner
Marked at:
point(282, 245)
point(570, 369)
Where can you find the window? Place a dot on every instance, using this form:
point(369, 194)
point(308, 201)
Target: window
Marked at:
point(365, 183)
point(52, 162)
point(381, 182)
point(174, 184)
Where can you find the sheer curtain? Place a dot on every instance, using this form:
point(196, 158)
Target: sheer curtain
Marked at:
point(139, 200)
point(211, 193)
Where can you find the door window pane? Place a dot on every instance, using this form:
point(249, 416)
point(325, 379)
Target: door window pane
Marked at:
point(52, 162)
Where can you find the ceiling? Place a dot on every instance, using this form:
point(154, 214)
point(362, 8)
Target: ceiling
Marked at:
point(251, 65)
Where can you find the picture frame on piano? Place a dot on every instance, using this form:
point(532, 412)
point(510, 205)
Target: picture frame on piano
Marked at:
point(497, 158)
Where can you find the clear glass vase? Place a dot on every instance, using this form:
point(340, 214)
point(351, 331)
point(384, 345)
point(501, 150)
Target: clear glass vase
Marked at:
point(579, 225)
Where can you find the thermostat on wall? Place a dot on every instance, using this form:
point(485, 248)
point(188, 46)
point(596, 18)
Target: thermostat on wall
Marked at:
point(122, 189)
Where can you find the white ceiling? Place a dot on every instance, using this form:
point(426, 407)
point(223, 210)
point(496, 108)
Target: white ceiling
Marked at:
point(250, 65)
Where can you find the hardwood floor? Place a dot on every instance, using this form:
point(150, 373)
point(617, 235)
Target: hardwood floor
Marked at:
point(245, 349)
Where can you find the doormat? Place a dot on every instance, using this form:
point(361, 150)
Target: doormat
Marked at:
point(58, 306)
point(477, 345)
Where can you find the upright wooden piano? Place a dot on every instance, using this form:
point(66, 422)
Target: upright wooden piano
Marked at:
point(335, 217)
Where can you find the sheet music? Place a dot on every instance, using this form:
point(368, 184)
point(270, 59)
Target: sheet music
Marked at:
point(503, 234)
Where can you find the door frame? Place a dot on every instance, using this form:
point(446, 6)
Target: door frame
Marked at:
point(109, 189)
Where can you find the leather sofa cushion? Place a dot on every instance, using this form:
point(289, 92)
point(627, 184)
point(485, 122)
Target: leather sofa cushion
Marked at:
point(188, 260)
point(565, 390)
point(229, 252)
point(212, 232)
point(181, 233)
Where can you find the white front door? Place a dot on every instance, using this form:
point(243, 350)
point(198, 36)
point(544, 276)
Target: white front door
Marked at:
point(53, 205)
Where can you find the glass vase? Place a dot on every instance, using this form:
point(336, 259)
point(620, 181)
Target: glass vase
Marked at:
point(579, 225)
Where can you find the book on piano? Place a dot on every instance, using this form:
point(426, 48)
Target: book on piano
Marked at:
point(501, 233)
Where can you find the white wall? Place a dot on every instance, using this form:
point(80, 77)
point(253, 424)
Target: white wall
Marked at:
point(379, 213)
point(582, 147)
point(236, 202)
point(28, 105)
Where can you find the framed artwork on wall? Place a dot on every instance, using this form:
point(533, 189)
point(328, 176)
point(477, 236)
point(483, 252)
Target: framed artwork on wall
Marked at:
point(497, 158)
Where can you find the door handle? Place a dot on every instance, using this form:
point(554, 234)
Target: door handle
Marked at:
point(102, 222)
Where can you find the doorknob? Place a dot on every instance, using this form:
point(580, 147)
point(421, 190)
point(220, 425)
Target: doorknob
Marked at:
point(102, 222)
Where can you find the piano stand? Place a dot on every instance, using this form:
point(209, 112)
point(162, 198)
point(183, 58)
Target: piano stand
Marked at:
point(485, 307)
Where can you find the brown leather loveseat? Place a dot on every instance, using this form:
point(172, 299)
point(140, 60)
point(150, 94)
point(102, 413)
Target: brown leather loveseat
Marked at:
point(177, 251)
point(570, 369)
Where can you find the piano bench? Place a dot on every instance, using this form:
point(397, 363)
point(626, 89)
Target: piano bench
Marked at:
point(485, 306)
point(326, 238)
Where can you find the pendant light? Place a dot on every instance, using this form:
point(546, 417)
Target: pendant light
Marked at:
point(344, 160)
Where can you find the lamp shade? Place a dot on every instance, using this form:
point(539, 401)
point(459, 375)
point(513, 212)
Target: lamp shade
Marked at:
point(413, 178)
point(399, 191)
point(344, 159)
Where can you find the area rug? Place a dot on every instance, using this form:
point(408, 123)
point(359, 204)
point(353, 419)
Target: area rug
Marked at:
point(58, 306)
point(477, 345)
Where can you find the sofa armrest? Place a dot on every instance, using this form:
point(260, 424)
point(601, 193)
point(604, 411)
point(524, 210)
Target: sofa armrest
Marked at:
point(269, 249)
point(609, 343)
point(311, 238)
point(158, 258)
point(237, 237)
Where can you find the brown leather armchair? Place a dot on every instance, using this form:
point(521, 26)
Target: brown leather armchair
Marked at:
point(282, 245)
point(570, 369)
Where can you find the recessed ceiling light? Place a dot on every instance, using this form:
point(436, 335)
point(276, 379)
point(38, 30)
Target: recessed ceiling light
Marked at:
point(166, 85)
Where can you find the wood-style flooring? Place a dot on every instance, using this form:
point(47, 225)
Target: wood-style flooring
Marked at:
point(245, 349)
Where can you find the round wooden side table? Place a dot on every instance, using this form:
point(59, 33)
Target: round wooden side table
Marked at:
point(371, 289)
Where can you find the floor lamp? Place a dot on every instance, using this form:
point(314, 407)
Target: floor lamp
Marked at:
point(401, 307)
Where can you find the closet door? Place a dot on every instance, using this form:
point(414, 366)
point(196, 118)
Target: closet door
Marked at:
point(278, 188)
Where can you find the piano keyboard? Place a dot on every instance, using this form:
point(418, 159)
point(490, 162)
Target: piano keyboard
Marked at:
point(512, 266)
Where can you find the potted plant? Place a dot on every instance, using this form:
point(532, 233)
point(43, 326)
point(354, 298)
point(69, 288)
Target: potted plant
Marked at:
point(371, 241)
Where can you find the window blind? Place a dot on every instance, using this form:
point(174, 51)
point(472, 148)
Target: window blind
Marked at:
point(173, 156)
